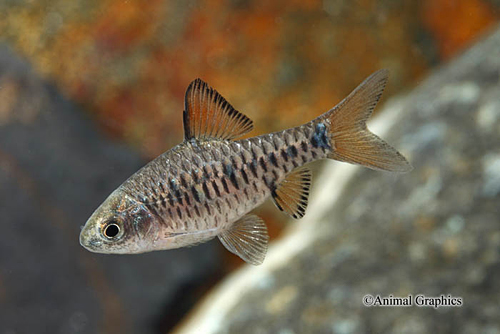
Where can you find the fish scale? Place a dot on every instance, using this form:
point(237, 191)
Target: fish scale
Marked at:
point(206, 186)
point(198, 188)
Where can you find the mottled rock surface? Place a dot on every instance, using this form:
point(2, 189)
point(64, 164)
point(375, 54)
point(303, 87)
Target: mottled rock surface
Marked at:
point(54, 171)
point(433, 231)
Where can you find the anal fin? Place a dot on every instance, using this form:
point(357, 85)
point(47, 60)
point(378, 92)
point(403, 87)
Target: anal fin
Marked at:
point(247, 238)
point(292, 194)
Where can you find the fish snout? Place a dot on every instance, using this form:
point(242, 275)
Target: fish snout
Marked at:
point(89, 241)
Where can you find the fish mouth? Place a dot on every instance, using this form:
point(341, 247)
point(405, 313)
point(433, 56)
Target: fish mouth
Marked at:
point(90, 243)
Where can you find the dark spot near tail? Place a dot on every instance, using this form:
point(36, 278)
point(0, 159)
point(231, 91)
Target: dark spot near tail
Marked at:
point(319, 138)
point(292, 151)
point(179, 212)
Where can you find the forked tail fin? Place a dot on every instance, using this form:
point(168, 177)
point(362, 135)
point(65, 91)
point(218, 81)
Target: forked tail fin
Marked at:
point(351, 140)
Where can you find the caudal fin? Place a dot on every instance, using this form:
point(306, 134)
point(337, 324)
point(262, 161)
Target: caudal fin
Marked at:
point(351, 140)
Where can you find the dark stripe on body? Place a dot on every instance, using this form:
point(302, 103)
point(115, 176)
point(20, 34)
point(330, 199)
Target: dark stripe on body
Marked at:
point(263, 164)
point(224, 184)
point(196, 194)
point(304, 146)
point(234, 181)
point(284, 155)
point(205, 190)
point(178, 196)
point(253, 167)
point(170, 199)
point(244, 175)
point(183, 180)
point(187, 197)
point(216, 188)
point(208, 208)
point(292, 151)
point(272, 159)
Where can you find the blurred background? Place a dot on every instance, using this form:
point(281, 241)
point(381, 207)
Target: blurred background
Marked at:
point(92, 90)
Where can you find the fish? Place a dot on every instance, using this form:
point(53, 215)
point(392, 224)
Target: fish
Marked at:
point(207, 186)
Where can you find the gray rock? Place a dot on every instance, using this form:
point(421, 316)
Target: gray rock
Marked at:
point(54, 171)
point(434, 231)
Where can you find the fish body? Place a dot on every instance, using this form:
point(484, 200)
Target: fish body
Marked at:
point(206, 186)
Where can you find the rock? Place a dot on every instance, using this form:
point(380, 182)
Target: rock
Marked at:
point(55, 169)
point(434, 231)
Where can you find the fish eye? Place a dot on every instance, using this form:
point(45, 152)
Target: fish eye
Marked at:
point(111, 230)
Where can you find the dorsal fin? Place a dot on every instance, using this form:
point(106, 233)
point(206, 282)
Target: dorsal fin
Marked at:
point(291, 195)
point(247, 238)
point(207, 115)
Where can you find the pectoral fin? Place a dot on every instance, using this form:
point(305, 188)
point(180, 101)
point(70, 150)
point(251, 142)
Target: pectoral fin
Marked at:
point(291, 195)
point(247, 238)
point(207, 115)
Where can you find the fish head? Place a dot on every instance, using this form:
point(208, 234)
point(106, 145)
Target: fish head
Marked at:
point(120, 225)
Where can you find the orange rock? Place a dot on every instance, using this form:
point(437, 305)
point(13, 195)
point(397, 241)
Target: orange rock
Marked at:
point(455, 23)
